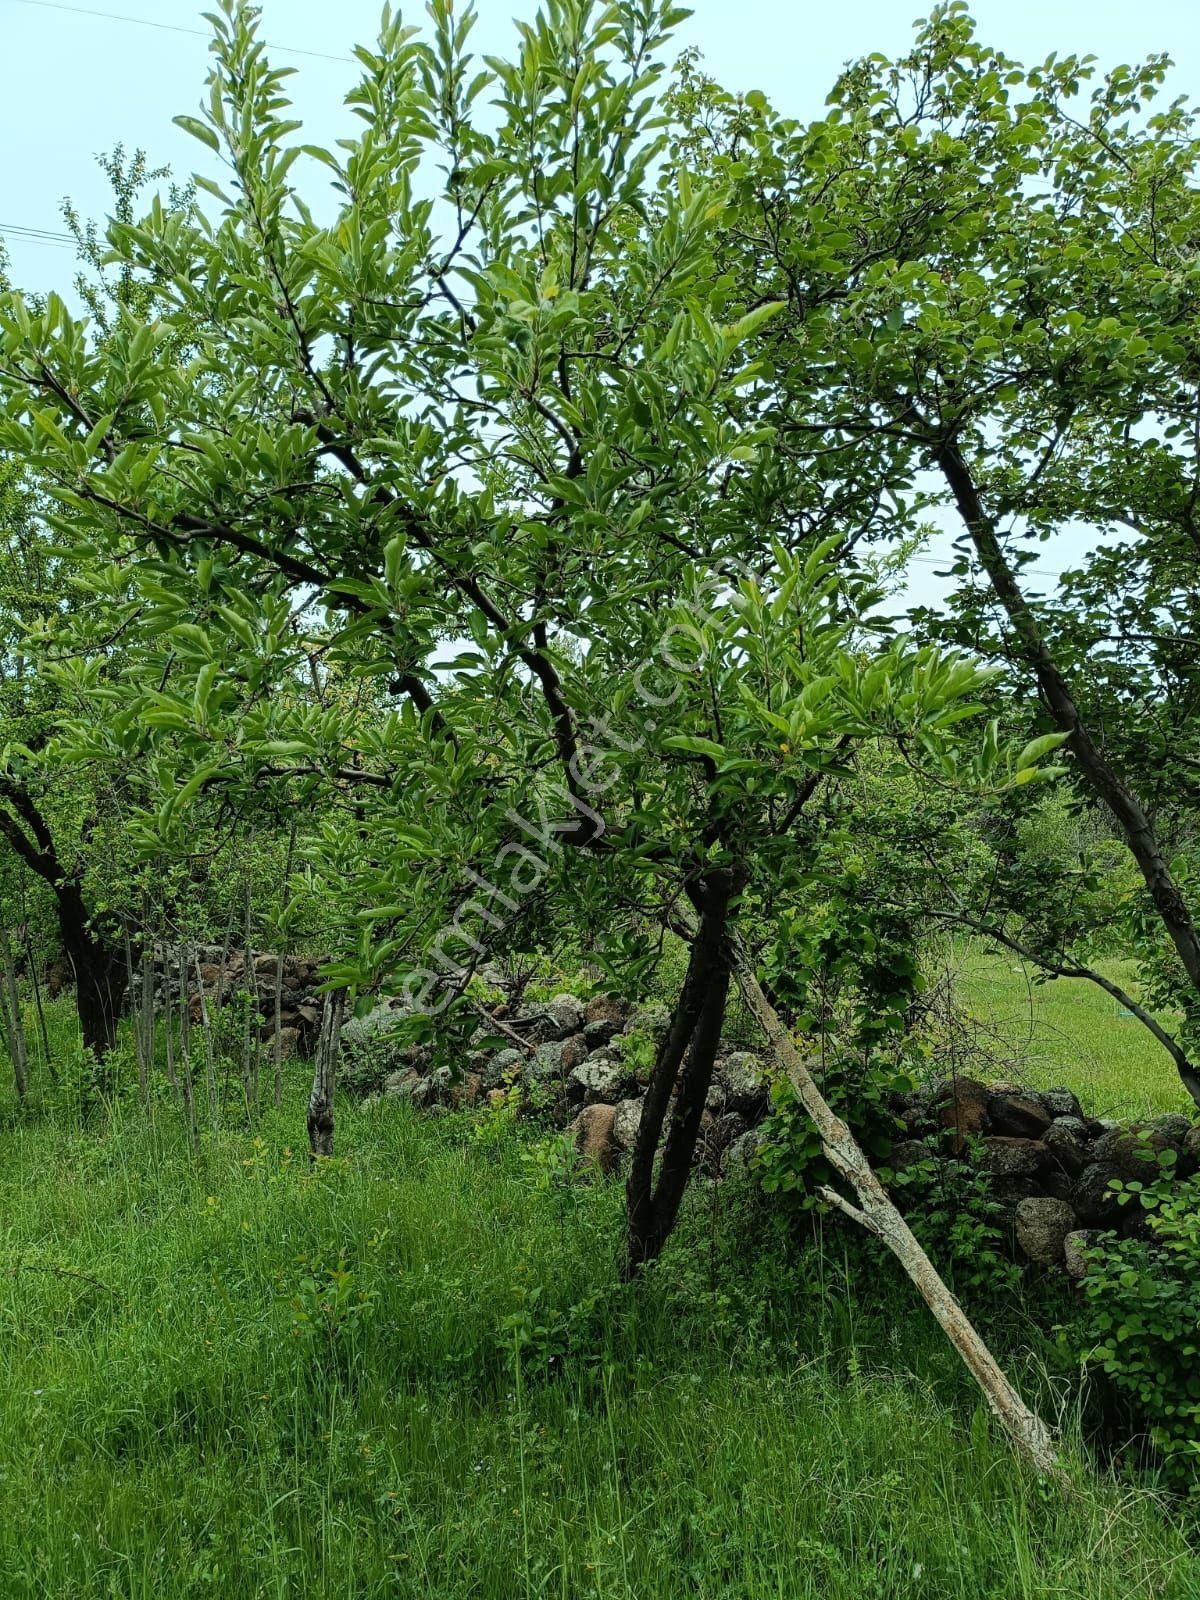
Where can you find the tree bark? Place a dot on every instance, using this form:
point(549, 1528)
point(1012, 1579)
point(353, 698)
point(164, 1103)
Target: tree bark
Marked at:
point(879, 1216)
point(320, 1100)
point(101, 979)
point(14, 1022)
point(695, 1032)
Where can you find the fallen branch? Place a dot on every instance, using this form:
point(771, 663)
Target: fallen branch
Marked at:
point(502, 1027)
point(876, 1213)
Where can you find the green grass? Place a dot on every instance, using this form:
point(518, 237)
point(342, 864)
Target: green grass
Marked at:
point(413, 1374)
point(1068, 1032)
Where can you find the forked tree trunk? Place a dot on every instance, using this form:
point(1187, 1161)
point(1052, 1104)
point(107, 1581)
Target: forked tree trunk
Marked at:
point(320, 1100)
point(686, 1057)
point(879, 1216)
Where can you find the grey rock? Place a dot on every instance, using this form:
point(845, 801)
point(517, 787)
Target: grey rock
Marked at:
point(501, 1067)
point(1020, 1116)
point(436, 1088)
point(626, 1121)
point(1076, 1126)
point(606, 1009)
point(1042, 1228)
point(1173, 1126)
point(725, 1131)
point(653, 1018)
point(1133, 1150)
point(1093, 1201)
point(1008, 1157)
point(575, 1049)
point(545, 1064)
point(600, 1031)
point(741, 1152)
point(1067, 1147)
point(372, 1025)
point(566, 1013)
point(1058, 1185)
point(539, 1024)
point(400, 1085)
point(1009, 1189)
point(744, 1081)
point(1061, 1103)
point(602, 1077)
point(908, 1153)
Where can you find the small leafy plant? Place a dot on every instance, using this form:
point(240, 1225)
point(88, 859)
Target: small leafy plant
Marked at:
point(1141, 1322)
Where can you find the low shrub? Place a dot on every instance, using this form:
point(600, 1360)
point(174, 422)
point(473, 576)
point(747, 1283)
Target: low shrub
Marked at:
point(1140, 1324)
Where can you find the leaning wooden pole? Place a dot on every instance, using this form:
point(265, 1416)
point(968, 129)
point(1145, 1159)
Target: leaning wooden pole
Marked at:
point(879, 1216)
point(320, 1100)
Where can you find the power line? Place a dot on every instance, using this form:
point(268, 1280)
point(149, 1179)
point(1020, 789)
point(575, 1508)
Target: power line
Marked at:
point(166, 27)
point(57, 241)
point(37, 233)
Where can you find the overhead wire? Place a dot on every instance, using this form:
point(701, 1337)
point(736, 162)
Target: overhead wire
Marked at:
point(166, 27)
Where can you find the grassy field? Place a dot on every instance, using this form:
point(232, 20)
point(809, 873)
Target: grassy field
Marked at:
point(413, 1373)
point(1069, 1032)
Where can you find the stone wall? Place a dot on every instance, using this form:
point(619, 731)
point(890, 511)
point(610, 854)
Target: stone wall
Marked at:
point(584, 1066)
point(214, 977)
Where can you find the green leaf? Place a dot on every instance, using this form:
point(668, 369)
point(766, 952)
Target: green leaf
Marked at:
point(692, 745)
point(1039, 747)
point(198, 130)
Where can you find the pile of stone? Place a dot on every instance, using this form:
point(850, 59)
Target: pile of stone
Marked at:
point(584, 1066)
point(209, 978)
point(1052, 1165)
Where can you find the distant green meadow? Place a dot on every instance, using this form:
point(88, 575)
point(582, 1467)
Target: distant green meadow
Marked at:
point(1068, 1031)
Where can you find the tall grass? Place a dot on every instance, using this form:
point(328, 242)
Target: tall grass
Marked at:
point(413, 1373)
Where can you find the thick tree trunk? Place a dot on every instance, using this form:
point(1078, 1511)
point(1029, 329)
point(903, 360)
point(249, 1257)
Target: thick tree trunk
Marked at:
point(101, 978)
point(652, 1207)
point(320, 1100)
point(879, 1216)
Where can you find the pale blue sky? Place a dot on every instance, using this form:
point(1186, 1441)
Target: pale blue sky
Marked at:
point(76, 84)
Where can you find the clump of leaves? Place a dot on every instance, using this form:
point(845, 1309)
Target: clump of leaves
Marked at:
point(859, 1088)
point(1141, 1320)
point(950, 1205)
